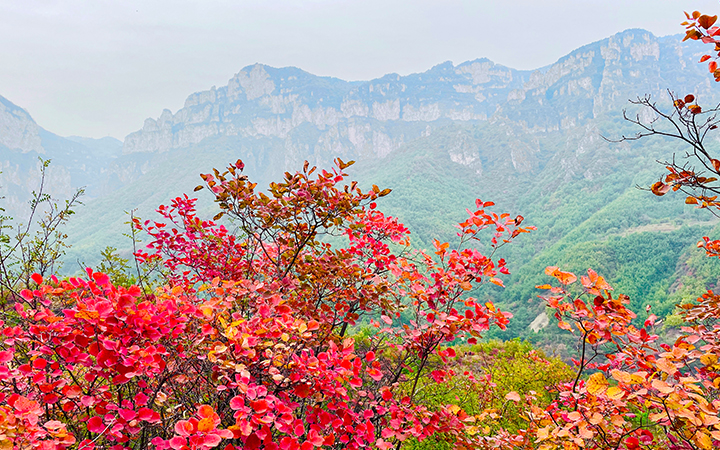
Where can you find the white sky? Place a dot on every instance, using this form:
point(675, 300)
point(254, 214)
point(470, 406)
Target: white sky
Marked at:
point(97, 68)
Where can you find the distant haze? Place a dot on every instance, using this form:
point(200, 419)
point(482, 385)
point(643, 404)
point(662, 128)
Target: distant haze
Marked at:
point(99, 68)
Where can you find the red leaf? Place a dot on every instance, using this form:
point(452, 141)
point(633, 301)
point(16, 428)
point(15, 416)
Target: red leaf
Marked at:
point(236, 403)
point(260, 406)
point(302, 390)
point(101, 279)
point(387, 395)
point(127, 414)
point(95, 425)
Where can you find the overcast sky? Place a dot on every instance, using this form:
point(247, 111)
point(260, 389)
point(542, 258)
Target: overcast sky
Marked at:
point(97, 68)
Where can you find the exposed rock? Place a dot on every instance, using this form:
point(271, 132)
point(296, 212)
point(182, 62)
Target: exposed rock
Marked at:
point(18, 131)
point(540, 322)
point(264, 102)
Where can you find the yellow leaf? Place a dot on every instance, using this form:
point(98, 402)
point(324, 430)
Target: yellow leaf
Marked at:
point(703, 440)
point(615, 393)
point(596, 384)
point(709, 359)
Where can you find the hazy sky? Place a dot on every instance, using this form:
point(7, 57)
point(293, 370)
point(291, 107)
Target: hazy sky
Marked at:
point(96, 68)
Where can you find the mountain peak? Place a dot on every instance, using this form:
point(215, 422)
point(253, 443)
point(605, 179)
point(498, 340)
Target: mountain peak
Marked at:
point(18, 130)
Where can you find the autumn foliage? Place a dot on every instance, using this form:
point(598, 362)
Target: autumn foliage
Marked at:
point(248, 342)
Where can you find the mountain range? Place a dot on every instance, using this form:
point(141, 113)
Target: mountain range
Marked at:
point(532, 141)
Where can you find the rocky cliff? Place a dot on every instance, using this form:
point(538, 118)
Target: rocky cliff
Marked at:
point(318, 118)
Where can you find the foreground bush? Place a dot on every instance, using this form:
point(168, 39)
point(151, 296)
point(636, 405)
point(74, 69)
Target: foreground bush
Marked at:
point(248, 343)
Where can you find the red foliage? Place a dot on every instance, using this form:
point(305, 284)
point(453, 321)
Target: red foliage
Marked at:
point(248, 344)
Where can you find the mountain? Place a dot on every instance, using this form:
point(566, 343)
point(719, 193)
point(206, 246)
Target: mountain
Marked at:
point(532, 141)
point(97, 165)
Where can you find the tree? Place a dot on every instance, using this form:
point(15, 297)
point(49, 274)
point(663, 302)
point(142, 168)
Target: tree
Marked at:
point(36, 245)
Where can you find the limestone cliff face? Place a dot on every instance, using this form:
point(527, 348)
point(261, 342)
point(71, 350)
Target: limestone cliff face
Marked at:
point(355, 119)
point(18, 131)
point(317, 117)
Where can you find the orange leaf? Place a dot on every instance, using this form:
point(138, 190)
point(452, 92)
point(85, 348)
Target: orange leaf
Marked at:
point(716, 164)
point(662, 386)
point(692, 34)
point(706, 21)
point(704, 441)
point(666, 366)
point(659, 188)
point(563, 277)
point(691, 201)
point(497, 281)
point(205, 425)
point(704, 58)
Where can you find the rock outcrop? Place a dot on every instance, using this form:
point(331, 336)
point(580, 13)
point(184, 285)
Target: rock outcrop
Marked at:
point(374, 118)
